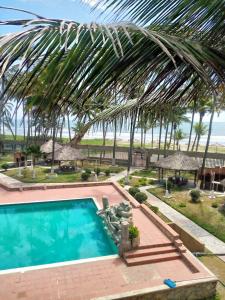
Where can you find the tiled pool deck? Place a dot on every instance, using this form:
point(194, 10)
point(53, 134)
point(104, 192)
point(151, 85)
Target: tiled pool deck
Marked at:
point(100, 278)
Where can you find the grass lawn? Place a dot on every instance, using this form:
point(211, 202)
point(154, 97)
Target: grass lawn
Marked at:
point(217, 266)
point(153, 173)
point(201, 213)
point(136, 182)
point(41, 176)
point(6, 158)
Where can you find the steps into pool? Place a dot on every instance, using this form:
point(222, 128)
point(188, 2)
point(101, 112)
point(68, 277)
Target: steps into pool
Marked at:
point(153, 253)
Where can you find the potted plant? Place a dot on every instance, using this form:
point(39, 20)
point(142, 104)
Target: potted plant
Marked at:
point(134, 236)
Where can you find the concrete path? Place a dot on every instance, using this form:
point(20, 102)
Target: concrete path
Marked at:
point(9, 181)
point(121, 175)
point(211, 242)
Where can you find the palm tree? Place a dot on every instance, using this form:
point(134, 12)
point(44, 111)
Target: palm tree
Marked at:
point(179, 135)
point(200, 130)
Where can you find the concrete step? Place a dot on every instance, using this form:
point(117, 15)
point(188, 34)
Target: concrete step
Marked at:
point(135, 261)
point(150, 251)
point(155, 245)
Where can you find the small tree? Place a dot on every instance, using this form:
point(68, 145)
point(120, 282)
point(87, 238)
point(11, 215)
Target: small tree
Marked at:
point(35, 152)
point(133, 233)
point(195, 196)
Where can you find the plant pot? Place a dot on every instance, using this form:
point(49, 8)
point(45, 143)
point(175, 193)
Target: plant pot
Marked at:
point(135, 242)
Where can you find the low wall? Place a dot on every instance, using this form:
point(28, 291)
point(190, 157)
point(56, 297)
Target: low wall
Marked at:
point(190, 241)
point(191, 290)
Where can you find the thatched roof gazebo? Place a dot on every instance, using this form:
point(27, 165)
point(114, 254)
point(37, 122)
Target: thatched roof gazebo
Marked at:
point(178, 162)
point(67, 153)
point(47, 147)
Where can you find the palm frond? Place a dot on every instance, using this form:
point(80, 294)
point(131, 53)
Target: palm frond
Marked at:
point(65, 62)
point(184, 16)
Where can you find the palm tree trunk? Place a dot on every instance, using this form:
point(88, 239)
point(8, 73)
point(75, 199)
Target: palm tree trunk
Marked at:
point(114, 144)
point(68, 124)
point(53, 142)
point(171, 135)
point(165, 141)
point(152, 136)
point(61, 129)
point(208, 139)
point(160, 135)
point(192, 149)
point(28, 126)
point(199, 136)
point(24, 127)
point(132, 130)
point(145, 137)
point(191, 129)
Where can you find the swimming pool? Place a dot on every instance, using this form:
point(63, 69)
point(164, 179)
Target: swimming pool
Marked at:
point(49, 232)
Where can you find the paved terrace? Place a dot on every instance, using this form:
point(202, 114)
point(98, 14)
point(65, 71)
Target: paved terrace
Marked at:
point(100, 278)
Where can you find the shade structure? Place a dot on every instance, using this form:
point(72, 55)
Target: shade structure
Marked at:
point(67, 153)
point(47, 147)
point(178, 162)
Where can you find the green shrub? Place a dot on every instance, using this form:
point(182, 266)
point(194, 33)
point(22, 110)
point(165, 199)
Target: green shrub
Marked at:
point(97, 171)
point(137, 185)
point(151, 182)
point(155, 209)
point(5, 166)
point(182, 204)
point(214, 205)
point(133, 191)
point(107, 172)
point(133, 232)
point(85, 176)
point(142, 181)
point(141, 197)
point(88, 171)
point(195, 196)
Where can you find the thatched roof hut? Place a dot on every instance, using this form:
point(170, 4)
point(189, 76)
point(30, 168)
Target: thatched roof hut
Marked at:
point(178, 162)
point(47, 147)
point(67, 153)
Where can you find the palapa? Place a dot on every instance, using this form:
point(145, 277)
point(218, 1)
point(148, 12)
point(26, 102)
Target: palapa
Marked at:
point(178, 162)
point(67, 153)
point(47, 147)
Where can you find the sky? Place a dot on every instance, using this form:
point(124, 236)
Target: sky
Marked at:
point(77, 10)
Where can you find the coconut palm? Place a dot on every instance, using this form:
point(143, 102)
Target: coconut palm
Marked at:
point(179, 135)
point(50, 50)
point(200, 130)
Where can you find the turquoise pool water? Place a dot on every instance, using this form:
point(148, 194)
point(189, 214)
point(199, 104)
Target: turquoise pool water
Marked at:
point(50, 232)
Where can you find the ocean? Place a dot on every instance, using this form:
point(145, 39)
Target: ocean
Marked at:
point(217, 137)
